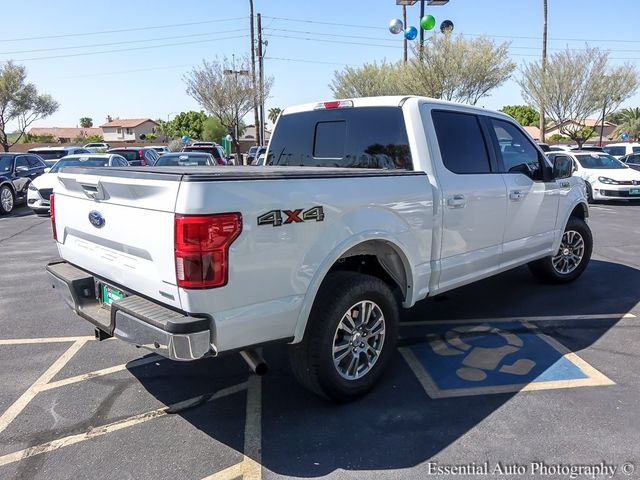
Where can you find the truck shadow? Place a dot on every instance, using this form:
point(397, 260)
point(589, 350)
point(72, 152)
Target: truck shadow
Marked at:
point(398, 425)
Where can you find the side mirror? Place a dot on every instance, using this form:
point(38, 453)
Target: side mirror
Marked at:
point(47, 170)
point(562, 167)
point(22, 169)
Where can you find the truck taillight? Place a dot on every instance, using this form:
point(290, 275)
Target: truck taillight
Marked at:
point(202, 248)
point(143, 162)
point(53, 216)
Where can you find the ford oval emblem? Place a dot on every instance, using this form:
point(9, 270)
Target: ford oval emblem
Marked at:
point(96, 219)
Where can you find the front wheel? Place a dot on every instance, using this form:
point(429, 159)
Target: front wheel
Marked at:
point(351, 335)
point(7, 200)
point(572, 257)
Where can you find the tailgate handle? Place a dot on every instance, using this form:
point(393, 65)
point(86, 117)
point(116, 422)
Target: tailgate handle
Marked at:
point(95, 192)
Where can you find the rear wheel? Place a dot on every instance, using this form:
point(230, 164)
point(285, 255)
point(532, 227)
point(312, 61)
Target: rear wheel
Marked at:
point(351, 335)
point(7, 200)
point(572, 257)
point(589, 192)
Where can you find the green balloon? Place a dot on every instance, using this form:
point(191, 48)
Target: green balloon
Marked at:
point(427, 22)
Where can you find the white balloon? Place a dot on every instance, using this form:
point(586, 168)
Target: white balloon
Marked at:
point(396, 26)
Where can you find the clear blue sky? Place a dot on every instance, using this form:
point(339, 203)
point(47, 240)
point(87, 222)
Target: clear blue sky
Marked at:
point(147, 82)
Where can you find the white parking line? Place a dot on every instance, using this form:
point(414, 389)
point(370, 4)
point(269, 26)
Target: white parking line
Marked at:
point(548, 318)
point(14, 410)
point(29, 341)
point(101, 373)
point(112, 427)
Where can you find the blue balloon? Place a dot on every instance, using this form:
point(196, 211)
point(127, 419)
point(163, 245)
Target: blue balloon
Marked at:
point(411, 33)
point(624, 136)
point(185, 139)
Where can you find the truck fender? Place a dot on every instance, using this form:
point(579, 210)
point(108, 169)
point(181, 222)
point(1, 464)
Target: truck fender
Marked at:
point(578, 208)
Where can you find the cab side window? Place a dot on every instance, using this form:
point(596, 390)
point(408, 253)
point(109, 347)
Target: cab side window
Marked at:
point(22, 161)
point(516, 150)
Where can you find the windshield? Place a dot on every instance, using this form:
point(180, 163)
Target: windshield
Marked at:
point(599, 161)
point(185, 160)
point(51, 154)
point(619, 151)
point(635, 149)
point(79, 162)
point(6, 162)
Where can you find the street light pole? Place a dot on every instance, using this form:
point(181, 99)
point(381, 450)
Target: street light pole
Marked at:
point(404, 22)
point(421, 29)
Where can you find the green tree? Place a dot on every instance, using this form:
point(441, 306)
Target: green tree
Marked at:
point(274, 113)
point(629, 123)
point(213, 130)
point(524, 114)
point(86, 122)
point(90, 139)
point(369, 80)
point(20, 102)
point(188, 123)
point(576, 85)
point(456, 68)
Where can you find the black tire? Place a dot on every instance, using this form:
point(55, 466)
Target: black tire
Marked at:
point(589, 192)
point(312, 359)
point(544, 268)
point(3, 191)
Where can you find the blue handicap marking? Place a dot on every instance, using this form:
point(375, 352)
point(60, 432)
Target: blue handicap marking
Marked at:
point(474, 359)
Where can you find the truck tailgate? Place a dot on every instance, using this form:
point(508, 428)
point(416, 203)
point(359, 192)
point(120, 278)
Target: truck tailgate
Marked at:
point(120, 229)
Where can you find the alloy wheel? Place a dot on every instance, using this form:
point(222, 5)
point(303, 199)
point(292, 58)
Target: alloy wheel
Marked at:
point(570, 253)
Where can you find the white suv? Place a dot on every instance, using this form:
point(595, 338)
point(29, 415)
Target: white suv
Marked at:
point(619, 150)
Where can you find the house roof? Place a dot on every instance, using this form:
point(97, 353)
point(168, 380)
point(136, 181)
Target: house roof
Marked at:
point(127, 122)
point(65, 132)
point(589, 122)
point(533, 131)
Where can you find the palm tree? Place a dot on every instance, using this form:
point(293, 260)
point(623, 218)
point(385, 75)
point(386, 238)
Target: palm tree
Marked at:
point(274, 113)
point(629, 123)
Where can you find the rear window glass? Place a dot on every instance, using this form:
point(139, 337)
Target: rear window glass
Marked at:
point(367, 137)
point(128, 154)
point(619, 151)
point(51, 154)
point(212, 150)
point(77, 162)
point(461, 142)
point(184, 160)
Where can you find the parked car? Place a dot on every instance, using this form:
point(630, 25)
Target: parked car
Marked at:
point(41, 188)
point(253, 153)
point(17, 171)
point(605, 177)
point(224, 259)
point(260, 161)
point(51, 155)
point(559, 148)
point(94, 147)
point(619, 150)
point(632, 161)
point(588, 148)
point(216, 150)
point(544, 147)
point(137, 156)
point(186, 159)
point(160, 149)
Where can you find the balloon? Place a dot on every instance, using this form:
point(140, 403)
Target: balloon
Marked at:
point(427, 22)
point(446, 26)
point(185, 139)
point(395, 26)
point(624, 136)
point(411, 33)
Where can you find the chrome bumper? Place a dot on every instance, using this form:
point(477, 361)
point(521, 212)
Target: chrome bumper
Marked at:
point(134, 319)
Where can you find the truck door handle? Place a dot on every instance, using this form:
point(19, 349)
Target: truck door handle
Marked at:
point(516, 195)
point(456, 201)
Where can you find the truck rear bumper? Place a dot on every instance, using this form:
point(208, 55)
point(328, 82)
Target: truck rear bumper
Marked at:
point(134, 319)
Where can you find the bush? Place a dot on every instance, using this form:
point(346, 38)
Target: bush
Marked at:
point(175, 145)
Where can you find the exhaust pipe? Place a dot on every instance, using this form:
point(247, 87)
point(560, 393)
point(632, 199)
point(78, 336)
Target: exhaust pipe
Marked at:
point(255, 361)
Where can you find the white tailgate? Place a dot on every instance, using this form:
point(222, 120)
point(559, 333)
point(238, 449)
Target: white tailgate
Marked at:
point(135, 246)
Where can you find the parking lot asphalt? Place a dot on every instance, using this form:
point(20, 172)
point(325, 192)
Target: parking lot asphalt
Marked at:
point(506, 375)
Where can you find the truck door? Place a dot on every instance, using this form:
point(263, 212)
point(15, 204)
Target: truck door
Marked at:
point(473, 199)
point(532, 202)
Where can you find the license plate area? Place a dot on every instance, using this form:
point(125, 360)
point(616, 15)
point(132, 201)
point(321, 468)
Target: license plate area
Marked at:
point(108, 294)
point(634, 191)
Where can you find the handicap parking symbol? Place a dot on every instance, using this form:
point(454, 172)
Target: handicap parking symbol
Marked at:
point(477, 359)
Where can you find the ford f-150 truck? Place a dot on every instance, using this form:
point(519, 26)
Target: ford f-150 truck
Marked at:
point(365, 206)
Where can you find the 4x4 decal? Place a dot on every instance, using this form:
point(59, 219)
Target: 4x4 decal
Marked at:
point(298, 215)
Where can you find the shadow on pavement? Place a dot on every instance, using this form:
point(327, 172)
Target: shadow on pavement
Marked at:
point(397, 425)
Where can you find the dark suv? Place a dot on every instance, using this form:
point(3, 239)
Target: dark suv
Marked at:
point(51, 155)
point(137, 156)
point(216, 150)
point(16, 172)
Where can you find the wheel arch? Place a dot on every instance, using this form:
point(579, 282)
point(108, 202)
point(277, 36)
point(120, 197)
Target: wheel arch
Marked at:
point(372, 253)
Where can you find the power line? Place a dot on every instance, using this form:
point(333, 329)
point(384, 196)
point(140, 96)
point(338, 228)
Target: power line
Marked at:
point(299, 20)
point(334, 41)
point(151, 27)
point(130, 49)
point(299, 60)
point(124, 42)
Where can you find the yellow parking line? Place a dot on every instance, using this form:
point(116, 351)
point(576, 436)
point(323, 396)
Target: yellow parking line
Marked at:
point(111, 427)
point(14, 410)
point(552, 318)
point(28, 341)
point(101, 373)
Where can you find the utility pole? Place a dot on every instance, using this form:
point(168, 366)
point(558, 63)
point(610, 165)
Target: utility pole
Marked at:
point(404, 22)
point(253, 75)
point(422, 29)
point(544, 72)
point(261, 69)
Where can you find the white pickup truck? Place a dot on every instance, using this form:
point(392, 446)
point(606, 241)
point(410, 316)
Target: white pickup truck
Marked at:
point(366, 205)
